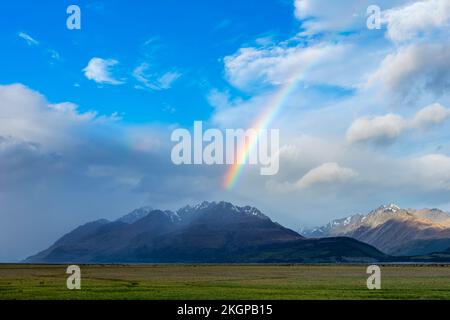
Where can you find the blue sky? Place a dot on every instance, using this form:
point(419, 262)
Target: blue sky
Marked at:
point(189, 38)
point(86, 115)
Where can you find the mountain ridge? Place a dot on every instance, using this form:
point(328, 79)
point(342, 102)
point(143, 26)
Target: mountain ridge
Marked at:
point(210, 232)
point(392, 229)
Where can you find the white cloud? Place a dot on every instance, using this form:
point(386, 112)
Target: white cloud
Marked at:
point(404, 19)
point(27, 116)
point(414, 70)
point(33, 42)
point(70, 110)
point(431, 115)
point(219, 100)
point(153, 81)
point(99, 70)
point(279, 64)
point(166, 80)
point(140, 73)
point(389, 127)
point(327, 173)
point(412, 20)
point(324, 15)
point(379, 129)
point(30, 40)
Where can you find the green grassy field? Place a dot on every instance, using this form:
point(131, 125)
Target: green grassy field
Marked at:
point(224, 282)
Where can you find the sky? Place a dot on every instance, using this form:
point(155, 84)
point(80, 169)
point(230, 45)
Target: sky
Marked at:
point(86, 115)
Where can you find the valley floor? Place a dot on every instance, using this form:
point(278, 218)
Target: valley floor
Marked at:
point(225, 282)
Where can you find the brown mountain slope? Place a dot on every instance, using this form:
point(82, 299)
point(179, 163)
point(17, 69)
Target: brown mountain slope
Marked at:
point(394, 230)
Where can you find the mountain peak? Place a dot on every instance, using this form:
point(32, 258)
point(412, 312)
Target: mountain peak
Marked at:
point(135, 215)
point(389, 208)
point(221, 206)
point(207, 232)
point(393, 230)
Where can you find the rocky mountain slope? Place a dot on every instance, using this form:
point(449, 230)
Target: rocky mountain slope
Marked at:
point(393, 230)
point(206, 233)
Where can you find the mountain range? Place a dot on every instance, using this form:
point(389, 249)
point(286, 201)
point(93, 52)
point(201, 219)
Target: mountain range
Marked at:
point(211, 232)
point(393, 230)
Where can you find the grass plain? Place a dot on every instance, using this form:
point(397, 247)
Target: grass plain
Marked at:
point(232, 282)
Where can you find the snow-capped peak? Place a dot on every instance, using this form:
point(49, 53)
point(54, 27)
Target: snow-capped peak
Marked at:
point(248, 210)
point(203, 205)
point(347, 220)
point(136, 215)
point(390, 207)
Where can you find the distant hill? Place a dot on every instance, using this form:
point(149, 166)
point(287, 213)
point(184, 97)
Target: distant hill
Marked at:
point(393, 230)
point(434, 257)
point(207, 233)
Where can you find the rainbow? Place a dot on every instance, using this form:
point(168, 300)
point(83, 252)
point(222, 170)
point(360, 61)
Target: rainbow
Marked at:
point(270, 111)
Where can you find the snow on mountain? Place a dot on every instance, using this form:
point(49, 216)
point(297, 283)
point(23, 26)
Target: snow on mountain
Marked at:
point(224, 206)
point(135, 215)
point(392, 229)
